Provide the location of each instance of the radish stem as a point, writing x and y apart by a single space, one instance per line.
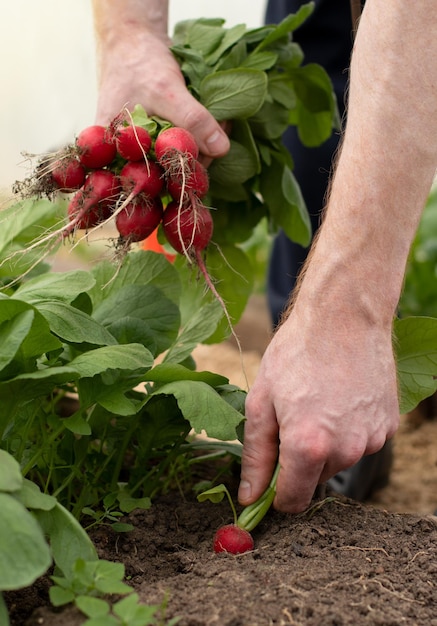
251 515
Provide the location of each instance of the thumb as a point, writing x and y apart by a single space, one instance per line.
260 454
212 140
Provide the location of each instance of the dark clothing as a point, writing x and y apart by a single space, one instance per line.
325 38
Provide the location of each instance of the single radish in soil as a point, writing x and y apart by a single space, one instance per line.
188 228
139 218
68 174
233 539
95 147
193 181
98 196
141 177
132 142
236 538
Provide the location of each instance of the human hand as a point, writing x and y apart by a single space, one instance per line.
140 69
325 395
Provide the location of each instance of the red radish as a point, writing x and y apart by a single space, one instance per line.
95 147
140 177
132 142
139 218
231 538
195 181
173 142
89 218
68 174
97 197
188 229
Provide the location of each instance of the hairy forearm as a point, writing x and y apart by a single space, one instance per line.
386 165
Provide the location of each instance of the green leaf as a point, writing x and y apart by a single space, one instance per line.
270 122
195 330
235 93
232 273
285 202
92 607
416 352
260 60
289 24
59 596
133 613
25 555
204 37
169 372
31 497
107 620
122 527
65 286
204 409
12 334
133 330
237 166
68 540
138 268
73 325
16 393
39 339
128 503
4 613
128 357
316 106
108 577
23 221
147 303
231 36
10 473
215 494
77 425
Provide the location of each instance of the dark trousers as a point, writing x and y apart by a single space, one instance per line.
325 38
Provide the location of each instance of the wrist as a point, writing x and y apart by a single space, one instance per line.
131 19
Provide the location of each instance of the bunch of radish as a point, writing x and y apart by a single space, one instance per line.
122 173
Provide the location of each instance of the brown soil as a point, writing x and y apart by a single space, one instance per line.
340 563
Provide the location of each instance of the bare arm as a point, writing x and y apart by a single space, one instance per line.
137 67
326 392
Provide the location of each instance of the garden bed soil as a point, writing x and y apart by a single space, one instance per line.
340 563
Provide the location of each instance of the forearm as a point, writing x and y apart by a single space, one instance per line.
386 165
113 18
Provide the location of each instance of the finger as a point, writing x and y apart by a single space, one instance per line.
212 140
302 463
260 452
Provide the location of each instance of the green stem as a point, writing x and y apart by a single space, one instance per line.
251 515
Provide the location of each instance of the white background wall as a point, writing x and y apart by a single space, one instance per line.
48 73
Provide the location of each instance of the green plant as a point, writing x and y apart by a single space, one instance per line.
88 586
419 296
34 531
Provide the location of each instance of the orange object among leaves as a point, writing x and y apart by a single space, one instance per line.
152 243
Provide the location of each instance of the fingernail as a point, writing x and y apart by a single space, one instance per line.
244 491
